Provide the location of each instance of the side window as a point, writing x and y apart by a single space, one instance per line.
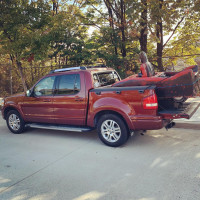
69 84
96 81
45 87
116 77
105 78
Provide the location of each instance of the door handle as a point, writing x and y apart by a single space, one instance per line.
46 100
78 99
118 92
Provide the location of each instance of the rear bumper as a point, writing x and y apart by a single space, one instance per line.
155 123
164 117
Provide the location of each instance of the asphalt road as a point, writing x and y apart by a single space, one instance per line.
56 165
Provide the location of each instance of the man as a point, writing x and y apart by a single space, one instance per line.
146 68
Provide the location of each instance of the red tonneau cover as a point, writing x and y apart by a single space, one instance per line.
168 84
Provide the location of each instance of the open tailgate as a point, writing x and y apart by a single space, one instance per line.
185 111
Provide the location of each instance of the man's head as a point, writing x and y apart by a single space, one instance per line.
143 57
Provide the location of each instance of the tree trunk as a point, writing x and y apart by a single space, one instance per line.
66 60
56 59
159 56
55 7
159 34
123 22
32 75
143 25
112 35
119 11
19 66
59 63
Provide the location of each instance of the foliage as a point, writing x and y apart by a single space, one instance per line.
21 26
37 36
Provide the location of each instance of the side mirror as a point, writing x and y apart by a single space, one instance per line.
28 93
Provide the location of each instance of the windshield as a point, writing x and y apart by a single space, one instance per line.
105 78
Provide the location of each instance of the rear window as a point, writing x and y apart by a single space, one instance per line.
105 78
69 84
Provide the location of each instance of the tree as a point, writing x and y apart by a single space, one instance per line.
185 44
19 21
165 19
143 26
67 36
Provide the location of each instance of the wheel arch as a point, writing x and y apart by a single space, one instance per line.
104 112
9 108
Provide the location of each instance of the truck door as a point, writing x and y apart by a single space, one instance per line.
38 107
70 100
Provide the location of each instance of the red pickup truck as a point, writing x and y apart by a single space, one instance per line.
82 99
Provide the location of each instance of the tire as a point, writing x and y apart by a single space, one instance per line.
15 122
112 130
179 99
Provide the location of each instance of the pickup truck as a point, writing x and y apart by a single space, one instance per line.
82 99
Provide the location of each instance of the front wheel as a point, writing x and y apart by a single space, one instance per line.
112 130
15 122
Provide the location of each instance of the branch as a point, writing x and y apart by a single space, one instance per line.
115 11
174 31
6 32
156 66
154 59
116 6
90 24
153 34
99 12
74 2
197 54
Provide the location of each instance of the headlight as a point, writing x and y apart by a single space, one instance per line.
1 103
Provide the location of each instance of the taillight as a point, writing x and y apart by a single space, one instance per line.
150 102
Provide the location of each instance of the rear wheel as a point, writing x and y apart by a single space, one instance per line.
112 130
15 122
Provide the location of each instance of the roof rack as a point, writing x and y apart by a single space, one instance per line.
66 69
74 68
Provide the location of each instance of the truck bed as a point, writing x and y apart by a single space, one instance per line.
168 84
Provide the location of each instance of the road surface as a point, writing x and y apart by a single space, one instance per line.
56 165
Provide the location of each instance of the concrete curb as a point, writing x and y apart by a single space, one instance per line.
193 122
193 126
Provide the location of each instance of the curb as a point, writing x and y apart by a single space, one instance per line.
188 125
193 122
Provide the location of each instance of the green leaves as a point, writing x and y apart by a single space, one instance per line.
33 34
